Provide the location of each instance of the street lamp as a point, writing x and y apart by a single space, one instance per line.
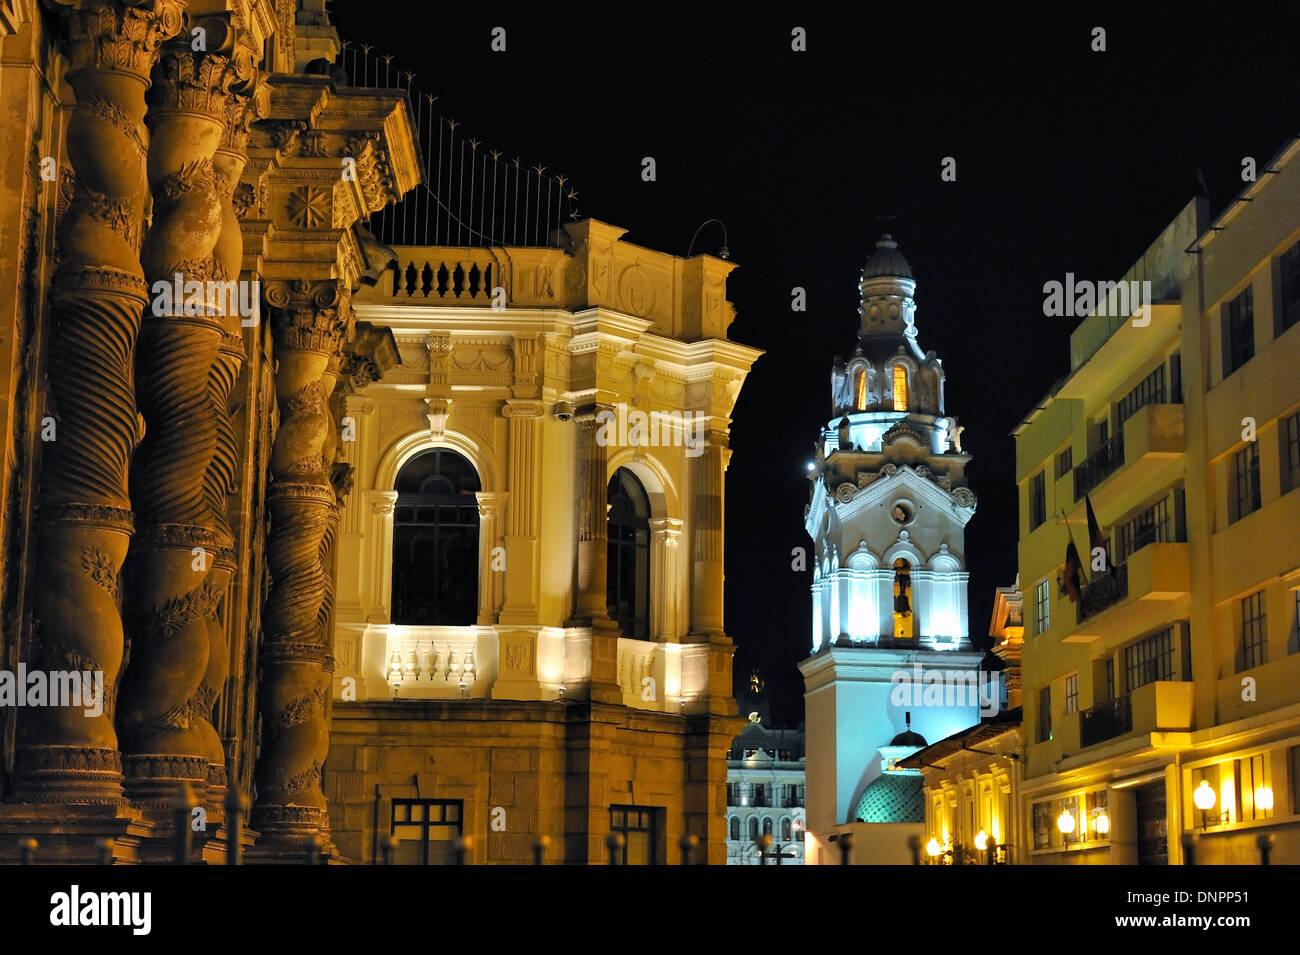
1065 822
1204 798
933 849
1101 822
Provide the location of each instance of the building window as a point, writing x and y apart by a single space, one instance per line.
1254 632
787 830
636 824
735 829
767 825
1246 496
1288 312
753 828
900 388
628 570
426 830
435 541
760 794
1149 660
1290 434
1149 527
1044 714
862 390
1042 607
1072 693
1043 825
1110 678
1238 332
1064 462
1150 391
1037 500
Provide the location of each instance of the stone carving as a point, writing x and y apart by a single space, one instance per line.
844 493
97 298
309 207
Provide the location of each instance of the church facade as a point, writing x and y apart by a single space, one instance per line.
892 662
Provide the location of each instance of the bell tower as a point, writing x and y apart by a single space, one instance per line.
887 517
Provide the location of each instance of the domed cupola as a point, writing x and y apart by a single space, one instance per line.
888 309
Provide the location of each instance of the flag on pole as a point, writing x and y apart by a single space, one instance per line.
1070 577
1095 537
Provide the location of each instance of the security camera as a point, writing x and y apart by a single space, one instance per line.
563 410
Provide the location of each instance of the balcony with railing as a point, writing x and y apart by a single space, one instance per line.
1107 459
1102 592
1134 595
1105 721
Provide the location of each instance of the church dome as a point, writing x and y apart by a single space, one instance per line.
887 261
893 797
908 738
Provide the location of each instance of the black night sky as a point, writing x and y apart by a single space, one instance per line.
1068 160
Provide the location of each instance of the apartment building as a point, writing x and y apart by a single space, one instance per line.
1162 696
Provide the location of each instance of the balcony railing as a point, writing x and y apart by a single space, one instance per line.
1108 459
1105 721
1104 590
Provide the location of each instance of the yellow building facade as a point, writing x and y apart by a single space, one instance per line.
566 417
1177 668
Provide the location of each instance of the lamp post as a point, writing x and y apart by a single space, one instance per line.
1065 823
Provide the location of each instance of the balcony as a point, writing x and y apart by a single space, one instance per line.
1105 721
1108 459
1135 595
1163 706
1152 437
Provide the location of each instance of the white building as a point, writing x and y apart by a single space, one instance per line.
765 795
888 514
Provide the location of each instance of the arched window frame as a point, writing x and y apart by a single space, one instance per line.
628 558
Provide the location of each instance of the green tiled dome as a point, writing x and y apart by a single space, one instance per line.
894 797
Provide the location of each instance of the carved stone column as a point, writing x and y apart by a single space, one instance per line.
490 504
182 556
706 484
593 555
310 322
84 519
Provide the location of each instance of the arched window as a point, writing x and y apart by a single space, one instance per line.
900 388
862 390
753 828
735 829
903 617
627 580
435 541
767 825
786 831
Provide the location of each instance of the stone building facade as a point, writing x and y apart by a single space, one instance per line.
570 441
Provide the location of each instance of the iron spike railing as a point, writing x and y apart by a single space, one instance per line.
471 195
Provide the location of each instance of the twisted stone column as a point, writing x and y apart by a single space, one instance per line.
176 580
310 322
98 293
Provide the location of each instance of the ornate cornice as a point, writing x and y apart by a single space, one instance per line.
310 316
113 35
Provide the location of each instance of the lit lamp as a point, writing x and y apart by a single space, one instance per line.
933 849
1264 798
1204 799
1065 822
1101 823
981 840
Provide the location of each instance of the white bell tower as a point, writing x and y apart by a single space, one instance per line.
887 518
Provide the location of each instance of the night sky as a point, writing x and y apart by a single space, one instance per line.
1068 160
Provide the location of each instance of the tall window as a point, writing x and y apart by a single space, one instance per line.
435 541
734 834
1042 607
1149 660
636 824
900 388
1238 332
1044 714
1072 693
628 573
1254 631
862 390
753 828
1246 480
1064 463
1288 312
1037 500
787 830
1290 434
426 830
1151 390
